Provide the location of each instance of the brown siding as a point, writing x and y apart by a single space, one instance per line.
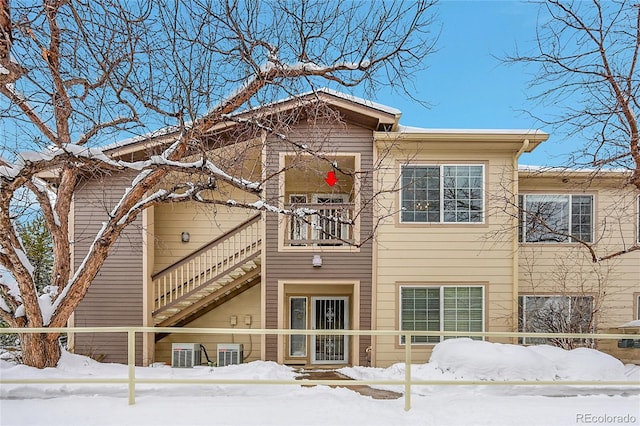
290 265
115 296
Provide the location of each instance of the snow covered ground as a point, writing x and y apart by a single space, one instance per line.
459 359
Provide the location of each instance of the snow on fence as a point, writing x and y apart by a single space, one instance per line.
132 380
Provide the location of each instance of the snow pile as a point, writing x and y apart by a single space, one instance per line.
479 360
75 404
81 365
582 363
466 359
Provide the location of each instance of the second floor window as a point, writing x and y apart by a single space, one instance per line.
555 218
445 194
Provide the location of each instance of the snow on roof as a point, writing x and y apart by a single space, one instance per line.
355 99
635 323
141 138
410 129
555 169
170 129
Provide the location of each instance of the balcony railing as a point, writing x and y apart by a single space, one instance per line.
320 224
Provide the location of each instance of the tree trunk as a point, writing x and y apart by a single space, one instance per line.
40 350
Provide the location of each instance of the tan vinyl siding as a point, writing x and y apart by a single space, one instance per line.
241 306
203 223
567 268
436 254
292 266
115 295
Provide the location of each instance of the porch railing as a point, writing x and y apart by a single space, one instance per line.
217 258
320 224
131 380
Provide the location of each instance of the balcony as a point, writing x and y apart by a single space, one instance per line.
329 222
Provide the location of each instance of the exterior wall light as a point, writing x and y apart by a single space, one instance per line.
185 237
316 261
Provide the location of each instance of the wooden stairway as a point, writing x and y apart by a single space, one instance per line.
226 266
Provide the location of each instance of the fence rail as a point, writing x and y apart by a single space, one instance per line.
408 382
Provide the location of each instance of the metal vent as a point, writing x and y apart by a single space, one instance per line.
185 355
229 353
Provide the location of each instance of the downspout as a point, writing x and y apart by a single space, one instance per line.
516 247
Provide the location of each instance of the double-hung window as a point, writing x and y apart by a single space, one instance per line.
442 193
555 218
444 308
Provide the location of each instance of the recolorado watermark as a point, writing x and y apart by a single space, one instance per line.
590 418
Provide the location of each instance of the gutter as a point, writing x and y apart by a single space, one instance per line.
516 247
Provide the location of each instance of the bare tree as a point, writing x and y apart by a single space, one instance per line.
586 77
564 293
554 217
76 75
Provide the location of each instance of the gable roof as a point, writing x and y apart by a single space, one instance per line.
370 114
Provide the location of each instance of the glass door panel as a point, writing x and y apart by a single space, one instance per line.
298 321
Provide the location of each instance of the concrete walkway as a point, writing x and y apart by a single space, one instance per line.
361 389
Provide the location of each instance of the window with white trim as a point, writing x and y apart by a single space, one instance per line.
554 314
298 228
326 227
442 194
555 218
298 321
444 308
638 221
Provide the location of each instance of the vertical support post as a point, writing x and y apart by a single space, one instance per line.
131 343
407 372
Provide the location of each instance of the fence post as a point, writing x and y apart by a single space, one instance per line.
131 343
407 372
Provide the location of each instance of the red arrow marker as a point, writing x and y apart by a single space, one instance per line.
331 178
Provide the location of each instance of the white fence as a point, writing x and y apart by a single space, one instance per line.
408 382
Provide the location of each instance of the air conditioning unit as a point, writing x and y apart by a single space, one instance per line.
229 353
185 355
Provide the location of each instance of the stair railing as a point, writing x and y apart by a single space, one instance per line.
200 267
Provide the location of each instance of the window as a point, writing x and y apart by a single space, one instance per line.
298 229
443 308
298 321
555 314
547 218
447 194
639 220
326 227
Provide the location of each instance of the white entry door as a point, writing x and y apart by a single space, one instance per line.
329 313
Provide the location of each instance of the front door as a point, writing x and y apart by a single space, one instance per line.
329 313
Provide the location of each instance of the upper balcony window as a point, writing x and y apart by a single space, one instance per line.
323 212
552 218
442 194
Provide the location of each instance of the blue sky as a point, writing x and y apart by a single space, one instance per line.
467 86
